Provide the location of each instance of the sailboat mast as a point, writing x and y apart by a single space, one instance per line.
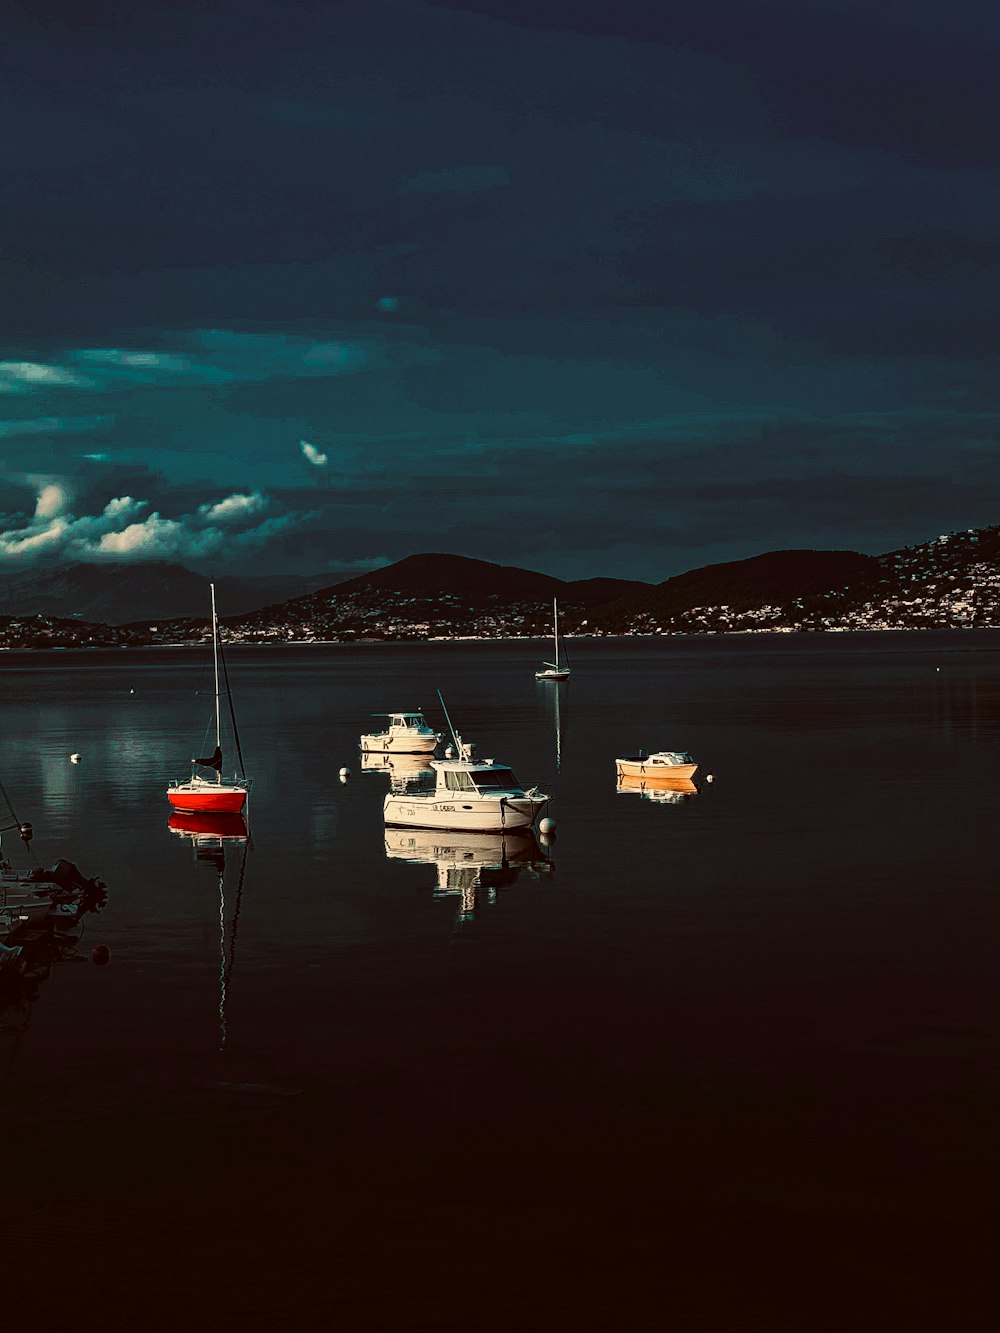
215 664
555 628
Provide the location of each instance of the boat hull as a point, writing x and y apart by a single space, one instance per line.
399 744
207 798
489 816
551 675
667 774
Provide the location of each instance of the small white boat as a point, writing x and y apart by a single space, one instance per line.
406 733
478 795
554 670
661 766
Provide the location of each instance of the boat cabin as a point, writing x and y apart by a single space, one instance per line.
483 778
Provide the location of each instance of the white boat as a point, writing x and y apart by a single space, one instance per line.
478 795
660 766
554 670
200 795
406 733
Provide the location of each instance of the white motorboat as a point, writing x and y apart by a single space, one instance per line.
660 766
473 794
554 670
406 733
478 795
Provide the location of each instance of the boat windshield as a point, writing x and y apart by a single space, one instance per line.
496 779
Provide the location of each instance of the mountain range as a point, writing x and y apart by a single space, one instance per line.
952 580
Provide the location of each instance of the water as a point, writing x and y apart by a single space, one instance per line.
730 1062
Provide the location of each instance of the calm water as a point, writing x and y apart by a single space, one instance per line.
730 1062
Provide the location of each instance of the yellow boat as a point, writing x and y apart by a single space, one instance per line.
661 766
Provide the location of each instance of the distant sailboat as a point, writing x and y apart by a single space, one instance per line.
554 670
203 795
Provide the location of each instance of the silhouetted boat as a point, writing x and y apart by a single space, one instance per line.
205 795
30 898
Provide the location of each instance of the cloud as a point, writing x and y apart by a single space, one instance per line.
313 455
233 508
123 531
52 500
10 430
31 376
209 357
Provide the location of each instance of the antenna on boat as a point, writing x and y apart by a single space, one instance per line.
459 747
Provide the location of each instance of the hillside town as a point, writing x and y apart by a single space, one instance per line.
952 582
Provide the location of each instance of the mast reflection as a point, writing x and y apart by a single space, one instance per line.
209 835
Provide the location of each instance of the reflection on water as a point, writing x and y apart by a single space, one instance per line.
405 771
34 951
662 790
470 866
210 835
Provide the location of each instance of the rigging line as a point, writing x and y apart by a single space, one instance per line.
232 711
13 815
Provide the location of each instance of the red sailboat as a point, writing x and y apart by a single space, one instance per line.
200 795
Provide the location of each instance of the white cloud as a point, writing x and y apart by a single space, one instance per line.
234 507
121 531
212 356
52 500
30 376
313 455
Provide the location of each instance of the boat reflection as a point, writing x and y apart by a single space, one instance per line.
470 866
30 955
662 790
209 836
405 771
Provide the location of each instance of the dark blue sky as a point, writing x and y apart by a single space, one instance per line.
595 288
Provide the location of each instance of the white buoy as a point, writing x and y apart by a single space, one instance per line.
74 759
547 827
131 691
345 773
709 777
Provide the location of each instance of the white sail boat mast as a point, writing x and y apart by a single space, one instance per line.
555 629
215 664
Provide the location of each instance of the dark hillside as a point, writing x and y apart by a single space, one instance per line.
772 579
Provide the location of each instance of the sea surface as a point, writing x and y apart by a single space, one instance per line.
728 1060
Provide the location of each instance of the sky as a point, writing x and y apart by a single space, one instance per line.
592 288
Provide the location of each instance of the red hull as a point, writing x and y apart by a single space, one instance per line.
228 801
